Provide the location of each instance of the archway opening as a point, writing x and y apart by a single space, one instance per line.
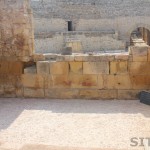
140 37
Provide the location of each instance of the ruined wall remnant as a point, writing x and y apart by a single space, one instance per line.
16 30
16 44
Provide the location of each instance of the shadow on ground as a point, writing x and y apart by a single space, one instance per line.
10 109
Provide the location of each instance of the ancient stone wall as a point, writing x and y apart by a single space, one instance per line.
16 44
103 76
16 31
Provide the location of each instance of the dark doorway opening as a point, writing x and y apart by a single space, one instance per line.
70 27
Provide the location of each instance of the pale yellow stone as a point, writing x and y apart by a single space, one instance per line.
139 68
141 82
59 68
123 82
76 67
119 67
83 81
32 81
95 68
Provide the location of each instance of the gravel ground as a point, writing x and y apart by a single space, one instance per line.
39 124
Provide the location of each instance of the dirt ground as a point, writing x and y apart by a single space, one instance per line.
40 124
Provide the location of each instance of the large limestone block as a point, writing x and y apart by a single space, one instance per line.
141 82
95 68
84 81
109 82
48 83
128 94
107 94
43 67
139 68
76 67
16 68
89 94
32 81
59 68
61 93
139 53
101 81
4 67
33 93
61 81
119 67
123 82
117 82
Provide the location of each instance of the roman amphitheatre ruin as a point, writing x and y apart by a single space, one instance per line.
74 49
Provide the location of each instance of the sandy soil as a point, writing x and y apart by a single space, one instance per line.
30 124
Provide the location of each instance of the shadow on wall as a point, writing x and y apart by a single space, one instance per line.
11 109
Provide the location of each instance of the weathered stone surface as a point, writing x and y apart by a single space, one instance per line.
43 67
61 81
139 53
123 82
122 57
141 81
38 57
101 81
117 82
59 68
61 93
16 68
107 94
4 67
76 67
119 67
139 68
128 94
32 81
109 81
89 94
33 93
84 81
95 68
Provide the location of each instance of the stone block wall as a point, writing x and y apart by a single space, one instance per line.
16 30
103 76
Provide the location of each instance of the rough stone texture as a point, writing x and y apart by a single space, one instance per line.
95 68
76 67
119 67
16 32
59 68
139 53
43 67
